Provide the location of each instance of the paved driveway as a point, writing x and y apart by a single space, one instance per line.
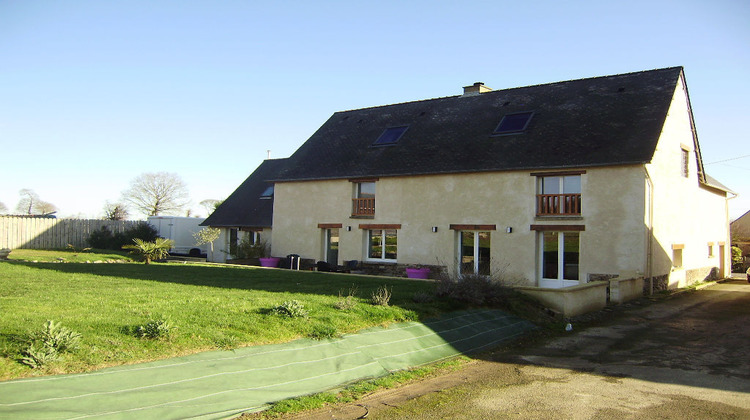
687 356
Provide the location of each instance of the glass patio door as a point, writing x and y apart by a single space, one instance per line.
474 253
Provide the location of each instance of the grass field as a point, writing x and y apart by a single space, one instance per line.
210 307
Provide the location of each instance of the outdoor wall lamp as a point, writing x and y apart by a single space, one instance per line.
509 230
348 228
434 229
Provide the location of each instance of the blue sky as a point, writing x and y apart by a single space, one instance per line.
94 93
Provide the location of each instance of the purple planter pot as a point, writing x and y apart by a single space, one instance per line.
269 262
417 273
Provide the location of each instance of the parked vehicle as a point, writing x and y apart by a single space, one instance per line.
180 230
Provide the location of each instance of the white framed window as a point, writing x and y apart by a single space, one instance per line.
382 245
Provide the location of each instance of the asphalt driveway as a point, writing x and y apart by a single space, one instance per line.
677 357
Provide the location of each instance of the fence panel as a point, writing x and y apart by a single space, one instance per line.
48 233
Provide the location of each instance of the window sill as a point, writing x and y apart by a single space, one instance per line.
390 262
561 217
354 216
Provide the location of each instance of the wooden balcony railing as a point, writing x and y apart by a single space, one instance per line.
363 206
558 204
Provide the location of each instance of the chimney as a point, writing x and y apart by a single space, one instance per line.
476 89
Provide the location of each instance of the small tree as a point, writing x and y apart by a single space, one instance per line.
207 236
3 209
151 250
115 211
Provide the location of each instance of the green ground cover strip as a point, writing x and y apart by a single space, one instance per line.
223 384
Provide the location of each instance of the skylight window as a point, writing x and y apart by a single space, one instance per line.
390 136
267 193
514 123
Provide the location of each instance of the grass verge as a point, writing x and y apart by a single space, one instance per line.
356 391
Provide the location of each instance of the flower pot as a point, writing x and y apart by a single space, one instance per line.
269 262
417 273
4 253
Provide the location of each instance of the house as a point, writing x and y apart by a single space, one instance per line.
740 231
247 212
553 186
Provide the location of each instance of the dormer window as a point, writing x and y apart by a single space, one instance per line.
514 123
390 136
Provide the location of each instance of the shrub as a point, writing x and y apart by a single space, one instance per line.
382 296
36 356
105 239
47 344
247 249
347 302
160 329
291 309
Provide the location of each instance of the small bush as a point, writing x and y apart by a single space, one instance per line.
54 335
36 356
474 289
347 302
382 296
105 239
160 329
323 331
291 309
46 345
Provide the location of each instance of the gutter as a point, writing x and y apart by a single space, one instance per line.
649 232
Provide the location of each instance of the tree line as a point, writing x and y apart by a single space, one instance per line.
149 194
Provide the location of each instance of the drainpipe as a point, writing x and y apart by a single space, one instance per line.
649 232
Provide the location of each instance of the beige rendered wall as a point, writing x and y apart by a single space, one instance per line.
685 214
613 205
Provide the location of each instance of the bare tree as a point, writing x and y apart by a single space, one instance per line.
31 204
155 193
26 203
115 211
44 207
210 205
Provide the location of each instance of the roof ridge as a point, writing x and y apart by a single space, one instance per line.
681 68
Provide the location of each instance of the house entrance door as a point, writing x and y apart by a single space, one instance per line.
332 246
474 253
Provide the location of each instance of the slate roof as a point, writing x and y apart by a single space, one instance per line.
244 207
610 120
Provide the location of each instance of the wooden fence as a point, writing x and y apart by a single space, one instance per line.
48 233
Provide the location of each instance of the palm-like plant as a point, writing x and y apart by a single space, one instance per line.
151 250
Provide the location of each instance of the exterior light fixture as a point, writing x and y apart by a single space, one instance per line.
348 228
434 229
509 230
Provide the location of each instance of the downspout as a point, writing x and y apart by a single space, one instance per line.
649 232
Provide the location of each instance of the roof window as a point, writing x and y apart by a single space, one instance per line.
390 136
514 123
267 193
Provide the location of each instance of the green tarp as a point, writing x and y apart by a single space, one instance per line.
224 384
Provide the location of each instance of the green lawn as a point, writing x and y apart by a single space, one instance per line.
212 307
